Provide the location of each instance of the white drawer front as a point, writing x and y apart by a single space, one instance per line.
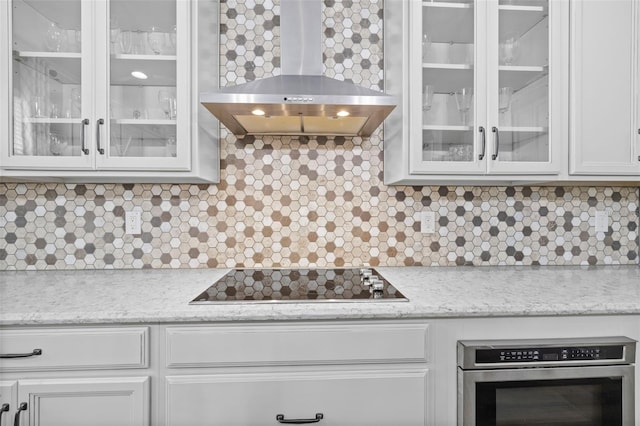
212 346
371 398
74 348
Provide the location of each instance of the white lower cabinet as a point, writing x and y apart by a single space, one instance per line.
8 404
75 376
105 401
333 373
368 397
373 373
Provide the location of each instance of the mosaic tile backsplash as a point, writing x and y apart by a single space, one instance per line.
312 202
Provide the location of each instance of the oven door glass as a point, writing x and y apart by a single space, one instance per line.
569 402
568 396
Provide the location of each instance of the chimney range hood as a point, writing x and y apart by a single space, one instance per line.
301 101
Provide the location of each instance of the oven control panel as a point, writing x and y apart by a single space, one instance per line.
552 354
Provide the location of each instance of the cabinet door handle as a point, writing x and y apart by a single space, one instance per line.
22 407
497 138
280 418
100 123
5 407
484 142
84 148
25 355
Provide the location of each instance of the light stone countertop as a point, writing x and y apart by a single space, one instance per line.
158 296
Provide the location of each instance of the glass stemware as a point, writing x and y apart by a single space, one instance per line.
55 39
156 40
171 147
114 35
139 42
426 45
464 97
76 103
39 109
167 102
126 40
172 39
56 144
74 40
504 99
509 50
427 97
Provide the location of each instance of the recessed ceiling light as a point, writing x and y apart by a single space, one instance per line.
343 113
139 75
257 112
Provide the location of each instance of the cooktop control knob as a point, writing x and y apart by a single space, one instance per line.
365 276
364 272
376 284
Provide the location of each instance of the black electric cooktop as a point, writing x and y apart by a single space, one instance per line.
300 285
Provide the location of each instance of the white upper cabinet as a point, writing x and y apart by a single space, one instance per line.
605 110
482 87
105 90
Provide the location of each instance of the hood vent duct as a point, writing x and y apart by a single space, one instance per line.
300 101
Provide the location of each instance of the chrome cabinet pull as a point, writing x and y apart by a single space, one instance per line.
26 355
100 123
22 407
484 142
5 407
84 148
280 418
495 153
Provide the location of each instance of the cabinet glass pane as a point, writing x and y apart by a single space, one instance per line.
523 80
46 74
142 92
448 93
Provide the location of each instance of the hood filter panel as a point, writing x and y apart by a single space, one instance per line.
301 125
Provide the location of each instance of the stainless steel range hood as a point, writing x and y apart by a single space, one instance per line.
301 101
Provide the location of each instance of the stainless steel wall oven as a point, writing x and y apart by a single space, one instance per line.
551 382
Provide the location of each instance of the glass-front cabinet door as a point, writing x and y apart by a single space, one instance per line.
49 84
147 94
481 76
447 106
519 86
99 85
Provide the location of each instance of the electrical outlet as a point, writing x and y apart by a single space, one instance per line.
427 222
132 222
602 221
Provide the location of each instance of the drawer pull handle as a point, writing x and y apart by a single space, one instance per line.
22 407
34 353
280 418
5 407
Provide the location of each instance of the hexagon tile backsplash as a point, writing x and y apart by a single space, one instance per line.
318 202
291 215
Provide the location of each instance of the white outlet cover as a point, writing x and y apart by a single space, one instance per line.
602 221
132 222
427 222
